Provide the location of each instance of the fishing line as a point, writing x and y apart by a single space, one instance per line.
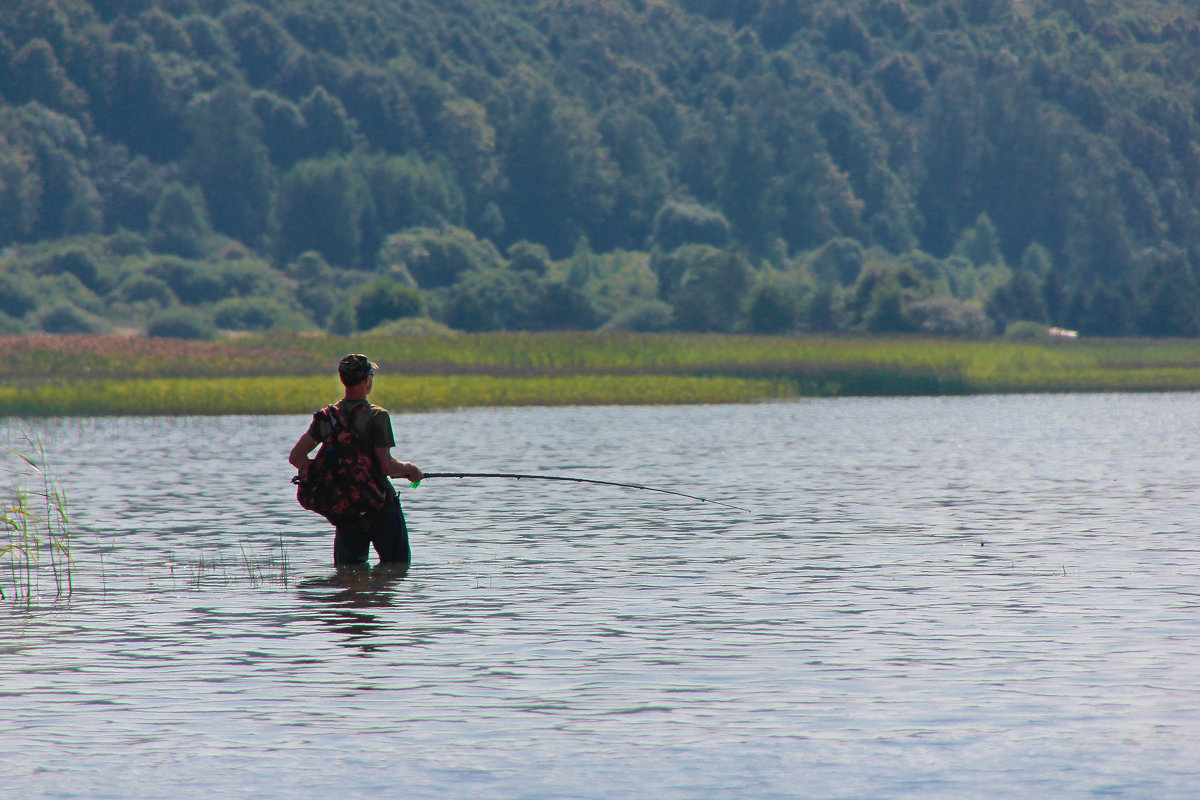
518 476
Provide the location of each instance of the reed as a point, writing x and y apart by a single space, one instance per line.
271 568
276 374
301 395
36 553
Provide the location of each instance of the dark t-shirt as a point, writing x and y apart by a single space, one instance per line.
374 425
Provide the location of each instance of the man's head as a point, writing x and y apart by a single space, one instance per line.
355 368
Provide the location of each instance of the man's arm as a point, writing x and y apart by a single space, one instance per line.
397 469
298 458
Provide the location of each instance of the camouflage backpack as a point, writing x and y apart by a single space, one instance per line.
344 483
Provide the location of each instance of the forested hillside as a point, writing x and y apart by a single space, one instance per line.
958 167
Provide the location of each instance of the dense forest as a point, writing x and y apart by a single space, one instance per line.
956 167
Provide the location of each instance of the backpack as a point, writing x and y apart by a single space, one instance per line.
343 484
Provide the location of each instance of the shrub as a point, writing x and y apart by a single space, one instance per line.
944 316
887 312
643 316
385 300
438 257
179 223
10 326
1024 329
67 318
561 307
496 299
17 294
181 323
251 314
75 261
840 261
342 320
142 288
529 257
773 308
192 281
711 289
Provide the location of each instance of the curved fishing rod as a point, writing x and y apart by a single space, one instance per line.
517 476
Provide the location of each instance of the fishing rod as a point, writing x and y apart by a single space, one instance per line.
518 476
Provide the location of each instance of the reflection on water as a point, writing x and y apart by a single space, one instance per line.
933 598
343 596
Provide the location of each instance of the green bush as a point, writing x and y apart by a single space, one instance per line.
495 299
67 318
711 289
181 323
10 326
18 293
193 282
252 314
839 262
560 307
179 223
643 316
677 224
74 261
385 300
437 257
945 316
139 287
1026 330
773 308
342 320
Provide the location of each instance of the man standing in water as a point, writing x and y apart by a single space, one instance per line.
386 530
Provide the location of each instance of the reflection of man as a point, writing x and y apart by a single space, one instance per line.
349 596
386 530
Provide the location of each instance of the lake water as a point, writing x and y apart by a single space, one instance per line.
992 597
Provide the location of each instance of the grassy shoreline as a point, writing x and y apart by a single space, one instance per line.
44 376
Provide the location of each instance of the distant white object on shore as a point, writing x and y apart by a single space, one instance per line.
1063 333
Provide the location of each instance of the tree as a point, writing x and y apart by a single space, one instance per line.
320 206
711 289
679 223
139 106
879 298
179 223
980 244
1170 299
406 192
20 192
561 178
382 109
746 184
264 48
1018 299
327 128
36 75
229 162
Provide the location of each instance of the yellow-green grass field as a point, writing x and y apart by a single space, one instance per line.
286 374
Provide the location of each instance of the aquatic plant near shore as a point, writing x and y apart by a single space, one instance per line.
272 568
34 521
276 374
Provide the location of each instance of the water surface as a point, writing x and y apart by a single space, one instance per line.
933 598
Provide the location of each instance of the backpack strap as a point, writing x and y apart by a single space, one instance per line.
348 421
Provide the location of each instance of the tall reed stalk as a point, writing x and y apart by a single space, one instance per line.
33 518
